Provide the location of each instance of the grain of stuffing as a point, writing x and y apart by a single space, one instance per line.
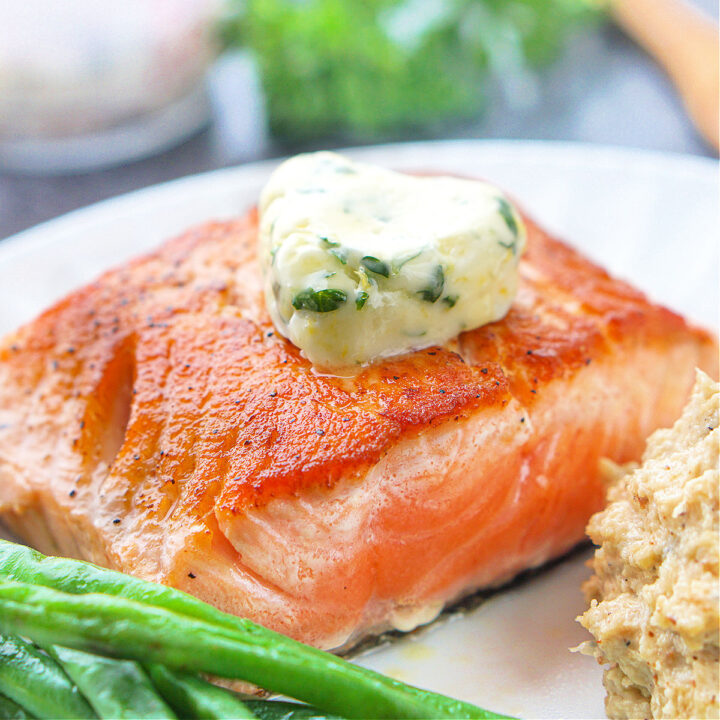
655 596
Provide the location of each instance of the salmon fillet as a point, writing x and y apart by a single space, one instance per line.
155 423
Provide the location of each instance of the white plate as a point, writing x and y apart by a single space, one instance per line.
647 217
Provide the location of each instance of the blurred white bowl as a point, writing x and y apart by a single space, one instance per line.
90 83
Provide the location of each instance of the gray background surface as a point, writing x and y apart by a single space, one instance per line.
603 90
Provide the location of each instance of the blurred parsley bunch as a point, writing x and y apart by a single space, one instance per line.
373 67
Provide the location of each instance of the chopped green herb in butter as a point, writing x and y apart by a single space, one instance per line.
319 300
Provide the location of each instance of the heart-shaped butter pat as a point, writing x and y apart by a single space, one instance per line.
361 263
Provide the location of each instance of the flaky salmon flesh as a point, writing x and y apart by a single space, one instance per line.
154 422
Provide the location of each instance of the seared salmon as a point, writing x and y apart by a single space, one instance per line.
154 422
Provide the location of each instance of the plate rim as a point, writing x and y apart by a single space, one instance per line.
549 152
543 153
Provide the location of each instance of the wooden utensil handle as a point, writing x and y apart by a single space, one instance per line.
685 43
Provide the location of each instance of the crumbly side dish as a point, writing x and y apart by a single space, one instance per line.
655 596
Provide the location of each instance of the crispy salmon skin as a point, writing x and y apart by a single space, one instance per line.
154 422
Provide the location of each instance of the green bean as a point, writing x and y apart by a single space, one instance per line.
125 628
331 674
21 563
278 710
114 688
194 697
36 682
10 710
190 693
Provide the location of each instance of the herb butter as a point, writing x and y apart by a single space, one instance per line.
361 263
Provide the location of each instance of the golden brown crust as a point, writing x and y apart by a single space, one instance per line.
178 374
541 339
